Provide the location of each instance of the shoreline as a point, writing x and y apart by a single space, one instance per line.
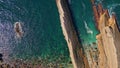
108 37
64 31
75 48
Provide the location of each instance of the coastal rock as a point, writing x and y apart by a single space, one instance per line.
75 48
18 29
107 39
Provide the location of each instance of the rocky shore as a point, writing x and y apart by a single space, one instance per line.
107 53
36 63
75 48
108 38
104 53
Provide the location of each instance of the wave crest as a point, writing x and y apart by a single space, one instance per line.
89 31
111 8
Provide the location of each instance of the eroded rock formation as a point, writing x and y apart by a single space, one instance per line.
75 48
108 38
108 53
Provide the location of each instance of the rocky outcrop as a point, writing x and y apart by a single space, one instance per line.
108 38
108 53
75 48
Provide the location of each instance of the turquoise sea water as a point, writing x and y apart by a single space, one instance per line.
83 13
83 17
43 36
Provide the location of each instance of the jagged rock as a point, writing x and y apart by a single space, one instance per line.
107 39
75 48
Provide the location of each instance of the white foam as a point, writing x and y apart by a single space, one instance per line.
111 8
89 31
98 1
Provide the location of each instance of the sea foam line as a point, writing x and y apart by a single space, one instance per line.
89 31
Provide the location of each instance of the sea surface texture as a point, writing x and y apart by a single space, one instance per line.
42 34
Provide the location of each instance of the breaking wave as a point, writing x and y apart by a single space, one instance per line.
112 7
99 1
89 31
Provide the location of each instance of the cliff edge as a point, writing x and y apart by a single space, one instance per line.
75 48
108 38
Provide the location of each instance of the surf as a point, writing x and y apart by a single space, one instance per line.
111 8
89 31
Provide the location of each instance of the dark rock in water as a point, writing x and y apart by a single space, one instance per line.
1 57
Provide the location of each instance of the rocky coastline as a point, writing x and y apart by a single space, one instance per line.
75 48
